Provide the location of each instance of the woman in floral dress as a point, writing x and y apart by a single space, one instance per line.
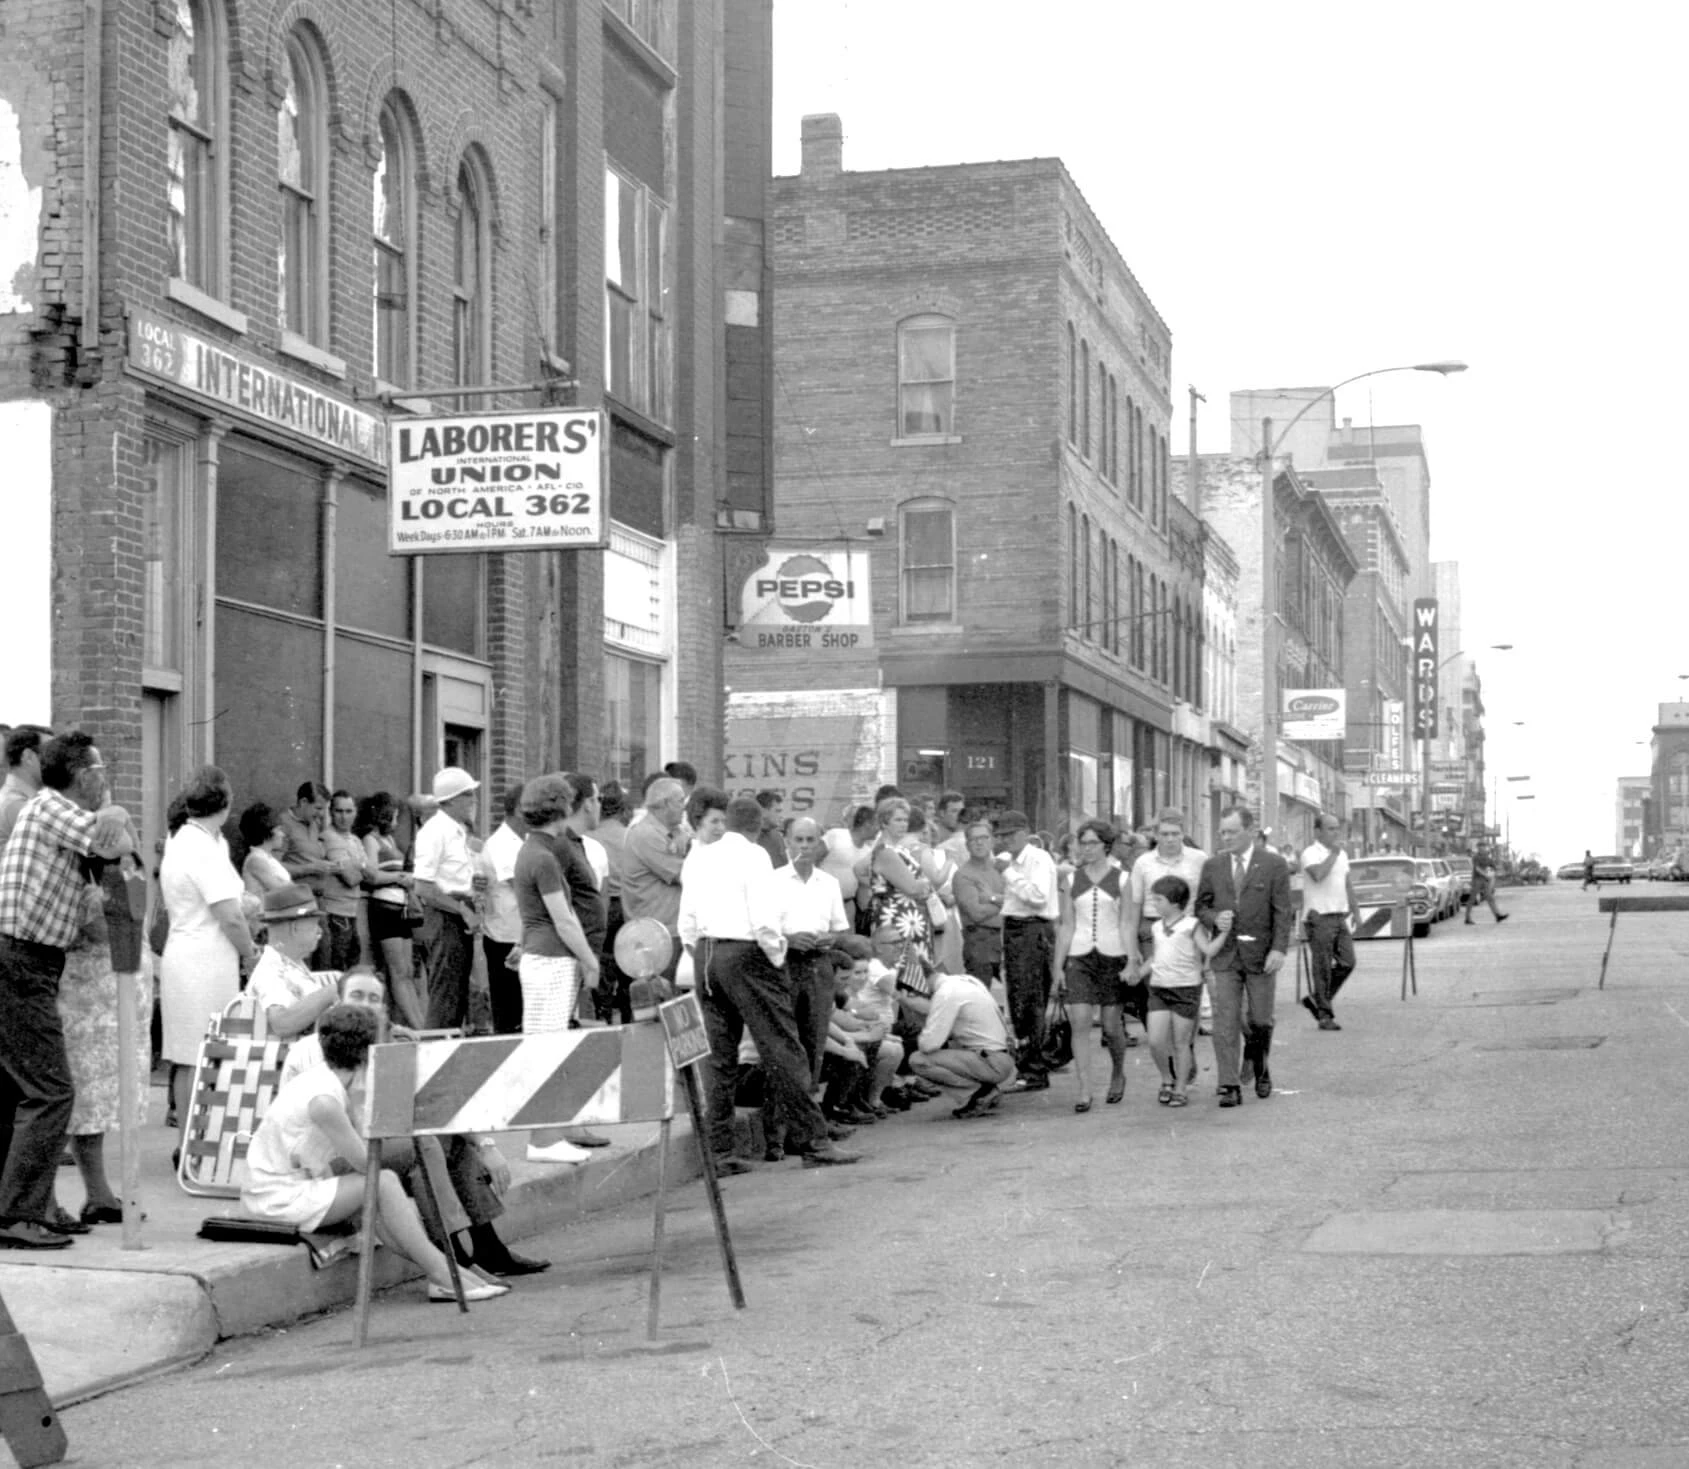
109 953
898 891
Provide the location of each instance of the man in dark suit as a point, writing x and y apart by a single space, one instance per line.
1245 895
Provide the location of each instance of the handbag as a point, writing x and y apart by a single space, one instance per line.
413 909
1058 1035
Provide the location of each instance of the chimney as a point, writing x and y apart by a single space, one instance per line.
1348 430
823 147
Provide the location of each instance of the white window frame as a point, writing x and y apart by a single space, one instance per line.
946 431
304 225
400 164
904 511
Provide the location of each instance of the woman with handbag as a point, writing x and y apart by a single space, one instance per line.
1091 953
393 911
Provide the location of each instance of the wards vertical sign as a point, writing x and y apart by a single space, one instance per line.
1425 665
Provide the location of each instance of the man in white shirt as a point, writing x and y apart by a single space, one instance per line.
445 885
731 927
501 927
1031 906
810 908
1328 906
963 1043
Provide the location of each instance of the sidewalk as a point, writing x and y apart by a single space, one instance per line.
97 1316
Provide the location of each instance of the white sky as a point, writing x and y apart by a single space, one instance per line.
1308 191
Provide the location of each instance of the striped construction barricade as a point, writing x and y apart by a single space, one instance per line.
1392 921
604 1075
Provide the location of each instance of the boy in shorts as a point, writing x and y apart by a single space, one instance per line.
1175 983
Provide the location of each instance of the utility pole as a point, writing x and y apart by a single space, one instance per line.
1268 816
1195 481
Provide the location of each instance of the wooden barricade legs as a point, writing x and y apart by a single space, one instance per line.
657 1219
1606 953
366 1238
1410 967
712 1187
27 1421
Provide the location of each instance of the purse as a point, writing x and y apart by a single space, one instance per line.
413 909
1058 1035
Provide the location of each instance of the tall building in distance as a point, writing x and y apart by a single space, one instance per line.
1668 773
272 232
974 398
1630 815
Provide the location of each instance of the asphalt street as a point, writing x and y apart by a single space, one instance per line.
1455 1235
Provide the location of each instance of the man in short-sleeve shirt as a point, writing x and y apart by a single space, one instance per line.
1169 857
1328 906
445 884
42 878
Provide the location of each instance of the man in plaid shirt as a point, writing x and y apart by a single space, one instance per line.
42 874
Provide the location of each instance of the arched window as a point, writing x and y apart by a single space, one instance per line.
302 168
196 161
1114 599
393 229
926 377
927 552
1072 385
1072 567
471 285
1131 452
1086 629
1085 399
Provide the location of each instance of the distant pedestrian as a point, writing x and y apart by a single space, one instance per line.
1328 908
1483 885
1589 880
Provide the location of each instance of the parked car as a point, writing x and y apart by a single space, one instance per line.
1462 869
1613 869
1381 880
1531 871
1570 872
1434 873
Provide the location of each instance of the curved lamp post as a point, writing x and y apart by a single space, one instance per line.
1270 445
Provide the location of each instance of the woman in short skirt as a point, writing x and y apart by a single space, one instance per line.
556 956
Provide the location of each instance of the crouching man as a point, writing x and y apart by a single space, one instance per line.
963 1044
469 1174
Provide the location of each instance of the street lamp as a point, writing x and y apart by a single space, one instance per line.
1269 612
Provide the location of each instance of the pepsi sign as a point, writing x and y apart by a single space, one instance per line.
807 601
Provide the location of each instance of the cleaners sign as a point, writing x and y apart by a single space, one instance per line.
533 481
807 602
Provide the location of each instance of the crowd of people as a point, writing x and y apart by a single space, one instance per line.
845 973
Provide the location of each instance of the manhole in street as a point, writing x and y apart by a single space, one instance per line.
1548 1043
1520 997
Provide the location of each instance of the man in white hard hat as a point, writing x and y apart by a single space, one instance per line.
445 885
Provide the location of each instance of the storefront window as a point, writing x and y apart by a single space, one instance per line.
372 590
269 539
633 723
453 599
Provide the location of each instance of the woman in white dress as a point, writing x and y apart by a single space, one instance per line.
209 939
306 1163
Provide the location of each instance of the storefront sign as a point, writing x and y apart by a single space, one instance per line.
528 481
1314 714
1395 723
209 370
807 602
819 749
1425 666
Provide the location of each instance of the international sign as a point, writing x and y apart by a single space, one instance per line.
208 370
529 481
808 602
1313 714
1425 668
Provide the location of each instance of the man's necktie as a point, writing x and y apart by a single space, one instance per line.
1238 868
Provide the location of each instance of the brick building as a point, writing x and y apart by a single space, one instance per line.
254 233
973 398
1668 769
1314 567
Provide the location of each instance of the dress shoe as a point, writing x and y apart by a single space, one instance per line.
837 1132
1502 917
28 1234
510 1263
771 1155
924 1089
474 1289
1029 1084
1264 1085
1330 1023
1231 1096
581 1138
827 1156
62 1221
728 1166
564 1152
1307 1003
984 1099
102 1214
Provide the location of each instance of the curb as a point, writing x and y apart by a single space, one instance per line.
97 1327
